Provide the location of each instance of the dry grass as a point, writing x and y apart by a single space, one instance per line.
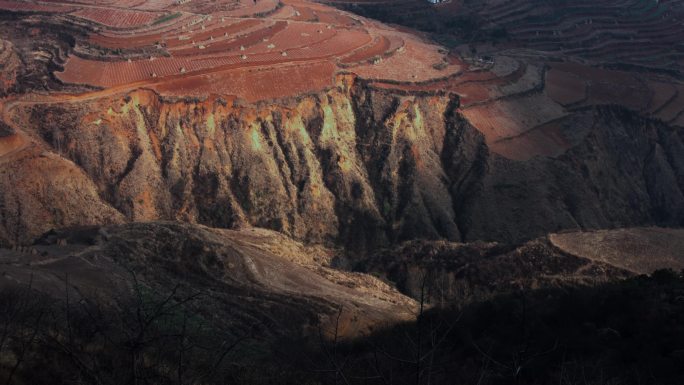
641 250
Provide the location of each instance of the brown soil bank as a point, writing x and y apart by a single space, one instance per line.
641 250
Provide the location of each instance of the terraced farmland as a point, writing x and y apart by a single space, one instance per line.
559 57
529 65
643 33
117 18
155 43
626 33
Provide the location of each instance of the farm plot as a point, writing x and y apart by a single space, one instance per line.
547 139
122 41
117 18
251 7
285 12
477 76
129 40
512 117
295 35
214 6
663 93
33 7
335 18
208 52
530 80
395 43
565 88
473 93
469 92
341 43
102 3
378 47
642 250
224 46
108 74
256 83
472 86
671 110
505 66
417 62
303 13
230 29
635 96
609 87
155 4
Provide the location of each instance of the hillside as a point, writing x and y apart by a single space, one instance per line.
247 191
381 147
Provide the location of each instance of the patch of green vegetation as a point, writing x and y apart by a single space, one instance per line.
166 18
440 66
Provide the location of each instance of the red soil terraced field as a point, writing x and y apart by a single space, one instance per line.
254 84
152 4
265 49
415 61
109 74
296 35
472 83
547 139
512 117
521 108
224 31
244 8
117 18
635 32
378 47
24 6
166 35
204 47
576 84
564 87
222 46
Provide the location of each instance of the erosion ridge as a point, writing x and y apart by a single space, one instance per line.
356 165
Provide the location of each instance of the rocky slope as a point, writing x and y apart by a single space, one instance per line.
253 281
448 273
36 46
445 274
9 66
355 165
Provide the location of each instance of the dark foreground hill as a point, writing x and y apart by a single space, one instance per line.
214 322
169 303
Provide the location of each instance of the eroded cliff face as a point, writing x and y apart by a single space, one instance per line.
349 165
9 66
354 165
